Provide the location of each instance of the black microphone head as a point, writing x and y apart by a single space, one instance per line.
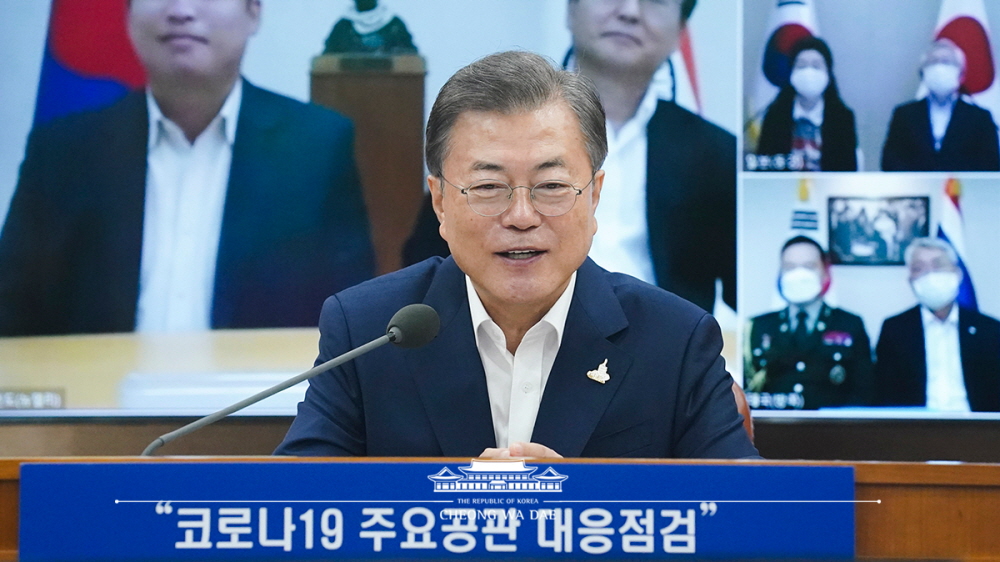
415 325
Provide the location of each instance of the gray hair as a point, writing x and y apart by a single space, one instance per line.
948 44
513 82
931 244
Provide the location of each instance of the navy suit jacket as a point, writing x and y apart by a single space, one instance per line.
669 394
901 360
294 226
690 208
970 142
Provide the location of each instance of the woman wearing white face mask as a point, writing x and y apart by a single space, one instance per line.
808 126
941 131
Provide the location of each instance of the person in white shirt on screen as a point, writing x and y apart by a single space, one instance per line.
938 354
201 202
669 216
941 132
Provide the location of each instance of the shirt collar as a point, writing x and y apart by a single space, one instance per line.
812 311
815 115
949 102
929 317
228 114
555 317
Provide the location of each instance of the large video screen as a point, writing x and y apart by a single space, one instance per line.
821 175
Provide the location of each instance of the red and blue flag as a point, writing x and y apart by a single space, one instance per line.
89 62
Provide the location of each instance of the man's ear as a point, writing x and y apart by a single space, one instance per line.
434 186
595 195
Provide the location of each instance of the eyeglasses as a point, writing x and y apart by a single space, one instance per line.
550 198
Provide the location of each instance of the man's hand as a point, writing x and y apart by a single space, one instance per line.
519 450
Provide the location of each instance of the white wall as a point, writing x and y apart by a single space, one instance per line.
23 25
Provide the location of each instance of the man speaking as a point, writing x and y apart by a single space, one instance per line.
541 352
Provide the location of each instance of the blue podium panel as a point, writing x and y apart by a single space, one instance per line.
480 509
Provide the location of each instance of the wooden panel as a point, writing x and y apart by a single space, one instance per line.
387 108
111 436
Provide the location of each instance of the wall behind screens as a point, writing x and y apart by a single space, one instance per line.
876 47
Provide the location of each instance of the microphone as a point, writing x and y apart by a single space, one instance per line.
414 325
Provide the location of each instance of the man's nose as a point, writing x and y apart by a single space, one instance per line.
181 10
521 213
629 9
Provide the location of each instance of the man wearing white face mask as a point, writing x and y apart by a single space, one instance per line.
808 355
938 354
941 132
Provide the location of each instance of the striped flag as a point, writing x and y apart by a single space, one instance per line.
791 21
805 217
964 23
89 62
951 230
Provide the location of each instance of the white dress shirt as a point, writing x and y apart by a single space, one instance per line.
515 382
940 117
185 195
945 380
622 240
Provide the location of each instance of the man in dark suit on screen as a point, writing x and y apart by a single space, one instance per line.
202 202
541 352
941 132
938 354
669 215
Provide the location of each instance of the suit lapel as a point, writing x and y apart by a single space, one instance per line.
449 373
124 168
923 129
573 404
917 353
967 330
248 195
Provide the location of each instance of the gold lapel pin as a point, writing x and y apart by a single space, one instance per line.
600 374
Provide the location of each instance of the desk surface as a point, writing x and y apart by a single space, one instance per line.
88 369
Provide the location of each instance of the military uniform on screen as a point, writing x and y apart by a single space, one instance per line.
830 365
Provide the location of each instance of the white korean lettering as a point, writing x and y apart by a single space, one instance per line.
562 529
234 521
500 522
285 541
595 529
637 532
418 536
378 517
204 523
459 538
674 542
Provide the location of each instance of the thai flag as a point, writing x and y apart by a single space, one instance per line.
950 230
89 62
964 23
791 21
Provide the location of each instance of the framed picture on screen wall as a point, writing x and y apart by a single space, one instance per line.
875 230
